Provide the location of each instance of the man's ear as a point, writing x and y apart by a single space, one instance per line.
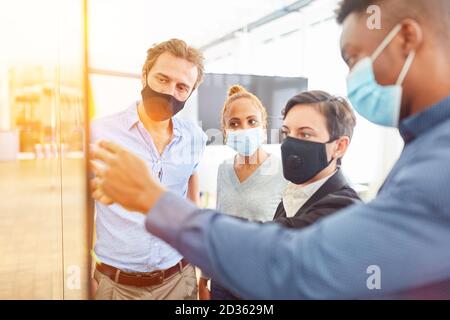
412 35
144 79
224 135
341 147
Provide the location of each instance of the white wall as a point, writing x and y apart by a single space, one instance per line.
113 94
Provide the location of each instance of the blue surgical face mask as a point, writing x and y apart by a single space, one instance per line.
378 104
245 142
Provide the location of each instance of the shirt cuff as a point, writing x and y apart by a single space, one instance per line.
167 217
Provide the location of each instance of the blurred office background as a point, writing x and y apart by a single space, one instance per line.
273 38
49 86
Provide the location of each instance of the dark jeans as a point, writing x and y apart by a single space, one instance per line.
218 292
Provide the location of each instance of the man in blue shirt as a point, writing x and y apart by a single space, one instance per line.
171 148
396 246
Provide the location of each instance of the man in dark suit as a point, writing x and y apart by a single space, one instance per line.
317 130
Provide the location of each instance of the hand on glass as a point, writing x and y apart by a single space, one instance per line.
123 179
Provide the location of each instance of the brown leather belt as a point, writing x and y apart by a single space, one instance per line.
138 279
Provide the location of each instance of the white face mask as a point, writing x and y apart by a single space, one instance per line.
246 142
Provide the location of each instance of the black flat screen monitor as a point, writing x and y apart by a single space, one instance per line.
274 92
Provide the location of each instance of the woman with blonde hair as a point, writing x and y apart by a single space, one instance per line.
250 185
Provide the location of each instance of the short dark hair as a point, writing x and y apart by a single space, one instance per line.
341 119
347 7
434 12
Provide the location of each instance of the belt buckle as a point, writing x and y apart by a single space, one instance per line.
155 275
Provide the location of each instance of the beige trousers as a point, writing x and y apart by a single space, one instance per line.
180 286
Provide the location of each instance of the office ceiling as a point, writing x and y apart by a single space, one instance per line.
122 30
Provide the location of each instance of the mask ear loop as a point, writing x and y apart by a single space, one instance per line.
333 100
406 67
332 157
146 80
386 42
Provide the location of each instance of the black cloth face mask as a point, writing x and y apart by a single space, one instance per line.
303 160
160 106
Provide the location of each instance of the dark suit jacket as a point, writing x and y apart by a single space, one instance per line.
334 195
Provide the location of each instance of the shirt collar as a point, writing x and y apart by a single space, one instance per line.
308 190
418 124
132 119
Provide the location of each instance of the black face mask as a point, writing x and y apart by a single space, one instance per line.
160 106
303 160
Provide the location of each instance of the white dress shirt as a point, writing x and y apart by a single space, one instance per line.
295 196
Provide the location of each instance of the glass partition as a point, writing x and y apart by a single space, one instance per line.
43 205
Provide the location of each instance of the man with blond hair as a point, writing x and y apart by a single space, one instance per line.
134 264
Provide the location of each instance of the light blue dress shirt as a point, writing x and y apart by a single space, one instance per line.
402 237
122 240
